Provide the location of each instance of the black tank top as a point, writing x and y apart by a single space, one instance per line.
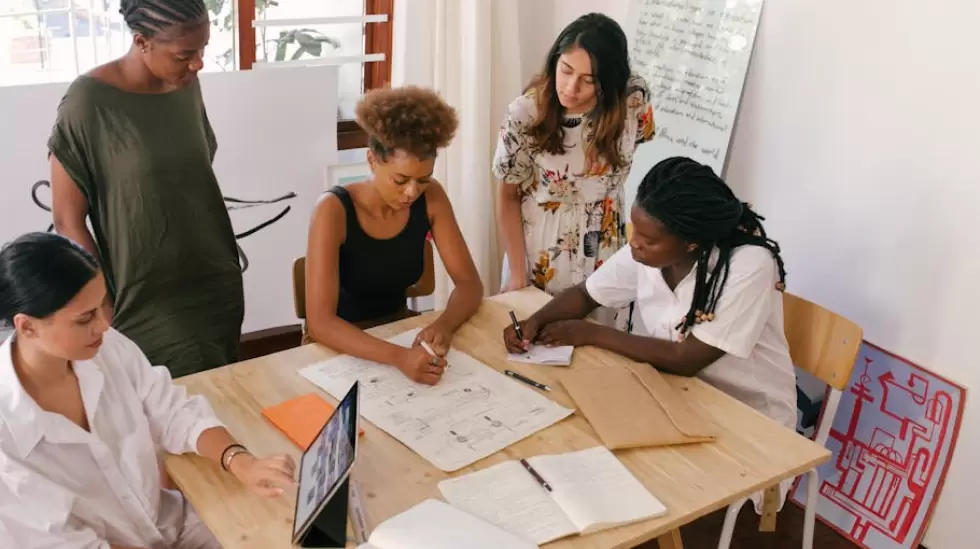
374 274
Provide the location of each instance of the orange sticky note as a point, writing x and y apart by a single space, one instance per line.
301 418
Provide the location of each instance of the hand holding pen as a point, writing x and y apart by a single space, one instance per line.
518 335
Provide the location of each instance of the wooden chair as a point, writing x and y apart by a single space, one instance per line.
426 285
826 345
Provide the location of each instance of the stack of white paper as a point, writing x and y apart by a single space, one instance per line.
434 525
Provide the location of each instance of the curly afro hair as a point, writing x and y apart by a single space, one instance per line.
412 119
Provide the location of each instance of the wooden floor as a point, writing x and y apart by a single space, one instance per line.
704 533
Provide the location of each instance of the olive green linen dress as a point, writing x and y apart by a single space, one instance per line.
159 220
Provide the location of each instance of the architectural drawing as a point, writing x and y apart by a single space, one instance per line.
473 412
892 440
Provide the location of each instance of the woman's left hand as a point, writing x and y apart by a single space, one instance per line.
436 336
577 333
268 477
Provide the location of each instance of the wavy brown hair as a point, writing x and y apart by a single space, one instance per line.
605 42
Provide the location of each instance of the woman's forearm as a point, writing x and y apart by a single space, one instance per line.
345 338
685 358
572 304
464 301
511 226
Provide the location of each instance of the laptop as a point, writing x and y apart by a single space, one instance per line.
326 464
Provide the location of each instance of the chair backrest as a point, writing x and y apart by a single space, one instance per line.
426 284
821 342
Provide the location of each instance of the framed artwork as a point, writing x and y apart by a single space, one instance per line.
892 440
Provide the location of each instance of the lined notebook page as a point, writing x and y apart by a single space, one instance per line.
433 524
508 496
595 490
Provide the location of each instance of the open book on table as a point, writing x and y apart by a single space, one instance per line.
590 491
433 524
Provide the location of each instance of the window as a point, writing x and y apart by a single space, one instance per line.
56 40
354 34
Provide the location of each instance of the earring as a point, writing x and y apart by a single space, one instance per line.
692 247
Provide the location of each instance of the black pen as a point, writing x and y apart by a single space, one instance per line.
544 484
527 380
517 326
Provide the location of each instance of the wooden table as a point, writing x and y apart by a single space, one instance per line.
751 453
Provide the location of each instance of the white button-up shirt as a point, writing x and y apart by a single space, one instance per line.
63 487
747 326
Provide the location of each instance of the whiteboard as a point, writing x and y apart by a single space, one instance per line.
277 136
694 54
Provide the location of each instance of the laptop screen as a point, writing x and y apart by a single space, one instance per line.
327 462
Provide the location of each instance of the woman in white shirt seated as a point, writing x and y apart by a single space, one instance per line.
82 414
705 283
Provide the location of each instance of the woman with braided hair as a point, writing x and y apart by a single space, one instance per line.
131 152
707 283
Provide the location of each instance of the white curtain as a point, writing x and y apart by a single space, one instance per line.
468 51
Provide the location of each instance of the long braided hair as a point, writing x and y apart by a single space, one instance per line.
698 207
151 17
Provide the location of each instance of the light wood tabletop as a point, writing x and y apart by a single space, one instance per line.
751 452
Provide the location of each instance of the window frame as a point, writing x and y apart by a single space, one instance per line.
377 39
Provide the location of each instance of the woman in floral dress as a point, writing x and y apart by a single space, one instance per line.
563 155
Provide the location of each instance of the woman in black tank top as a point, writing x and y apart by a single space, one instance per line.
367 239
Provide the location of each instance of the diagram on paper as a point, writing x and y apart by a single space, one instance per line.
891 439
473 412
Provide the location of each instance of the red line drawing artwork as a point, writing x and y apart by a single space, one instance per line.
892 439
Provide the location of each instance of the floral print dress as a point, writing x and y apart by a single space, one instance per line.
573 220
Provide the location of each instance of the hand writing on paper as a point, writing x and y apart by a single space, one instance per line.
514 344
267 477
577 333
438 337
419 366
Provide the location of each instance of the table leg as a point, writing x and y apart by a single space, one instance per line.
671 540
770 507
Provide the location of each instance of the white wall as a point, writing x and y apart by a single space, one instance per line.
857 138
276 133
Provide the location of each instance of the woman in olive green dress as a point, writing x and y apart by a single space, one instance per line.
131 151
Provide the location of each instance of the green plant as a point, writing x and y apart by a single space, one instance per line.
310 41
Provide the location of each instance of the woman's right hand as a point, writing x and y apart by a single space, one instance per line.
529 329
419 366
515 281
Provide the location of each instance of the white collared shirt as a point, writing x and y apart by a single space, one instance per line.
63 487
747 326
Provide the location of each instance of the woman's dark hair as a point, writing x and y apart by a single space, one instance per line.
151 17
696 206
605 42
409 118
40 273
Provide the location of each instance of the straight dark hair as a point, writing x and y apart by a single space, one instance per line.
40 273
605 42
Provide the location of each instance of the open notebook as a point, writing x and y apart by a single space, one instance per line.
542 354
590 491
433 524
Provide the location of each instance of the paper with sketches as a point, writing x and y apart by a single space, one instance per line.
473 412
